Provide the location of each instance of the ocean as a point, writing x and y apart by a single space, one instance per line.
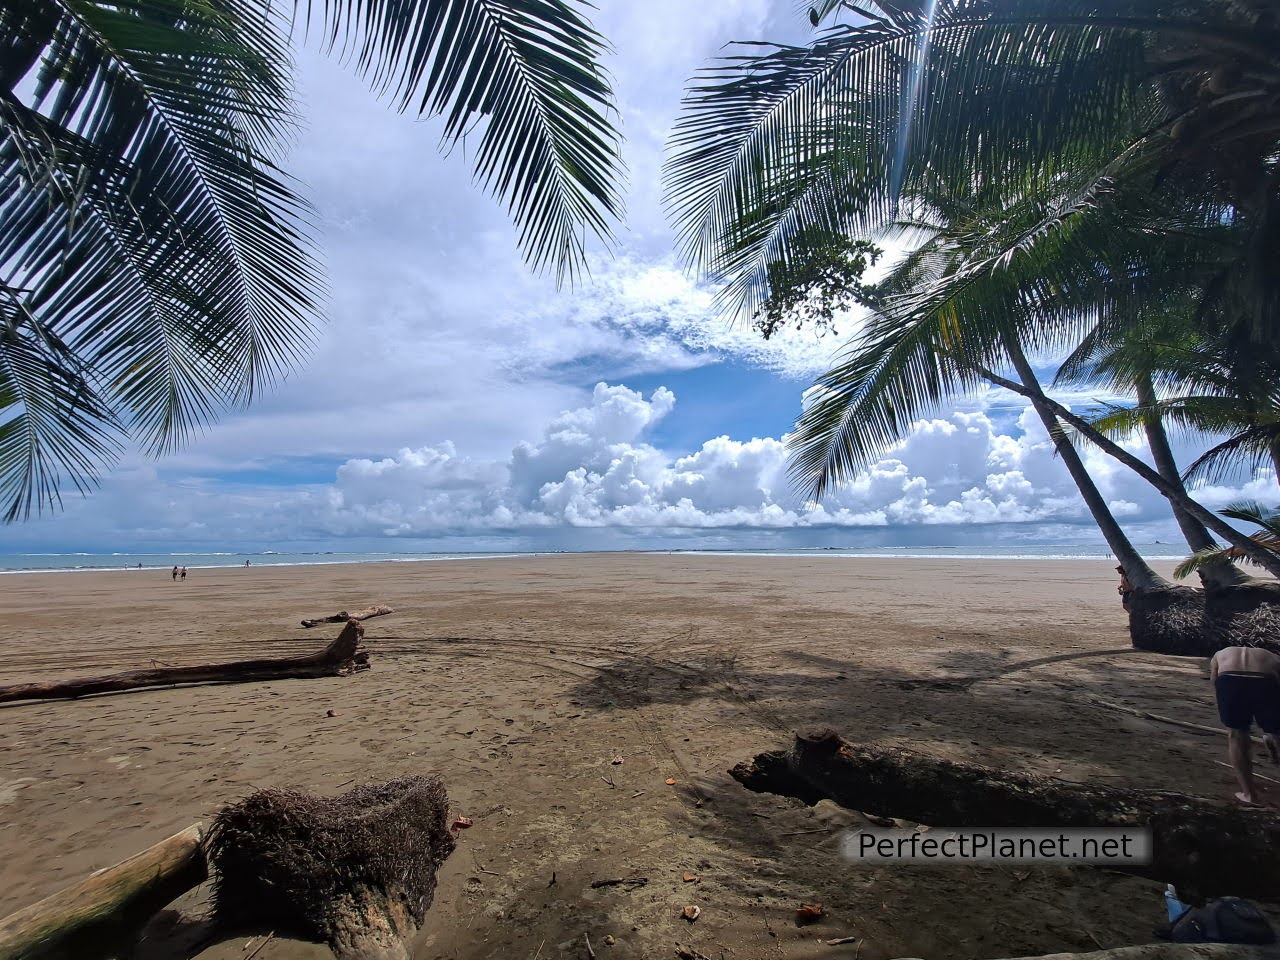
72 562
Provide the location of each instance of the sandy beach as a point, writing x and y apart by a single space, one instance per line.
518 680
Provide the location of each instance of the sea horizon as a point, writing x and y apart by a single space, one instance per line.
89 561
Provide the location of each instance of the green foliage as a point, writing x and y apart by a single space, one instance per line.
812 290
156 265
1212 388
1068 166
1249 511
153 261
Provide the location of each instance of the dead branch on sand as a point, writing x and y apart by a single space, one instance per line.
343 656
342 616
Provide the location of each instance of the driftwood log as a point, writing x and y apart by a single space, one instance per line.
104 911
1205 847
356 871
344 655
342 616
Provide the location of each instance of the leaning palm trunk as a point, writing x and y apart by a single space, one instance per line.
1198 538
1234 537
1247 614
1237 608
1136 569
1163 617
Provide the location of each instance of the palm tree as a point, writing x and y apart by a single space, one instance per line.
1131 359
912 108
843 130
919 351
155 262
1216 390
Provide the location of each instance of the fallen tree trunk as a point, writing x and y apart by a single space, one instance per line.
357 871
1202 846
104 911
341 657
342 616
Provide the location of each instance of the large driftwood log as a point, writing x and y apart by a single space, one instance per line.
1205 847
341 657
356 871
342 616
102 912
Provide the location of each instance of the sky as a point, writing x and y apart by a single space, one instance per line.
455 401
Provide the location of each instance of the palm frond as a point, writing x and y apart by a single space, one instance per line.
529 72
761 134
51 420
143 226
1250 511
1250 448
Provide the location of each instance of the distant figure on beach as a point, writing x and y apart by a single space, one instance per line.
1125 588
175 571
246 563
184 573
1246 682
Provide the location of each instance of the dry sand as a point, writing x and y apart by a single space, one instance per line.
518 680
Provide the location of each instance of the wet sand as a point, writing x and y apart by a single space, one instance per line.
518 680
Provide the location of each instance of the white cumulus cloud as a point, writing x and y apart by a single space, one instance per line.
594 467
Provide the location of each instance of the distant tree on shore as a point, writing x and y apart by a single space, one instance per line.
156 264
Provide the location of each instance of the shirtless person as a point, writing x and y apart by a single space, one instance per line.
1246 681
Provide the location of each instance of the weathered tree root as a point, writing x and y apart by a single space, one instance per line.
94 917
342 616
1203 846
356 871
343 656
1182 621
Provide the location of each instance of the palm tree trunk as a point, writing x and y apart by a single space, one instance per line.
1163 617
1193 531
1230 534
1135 568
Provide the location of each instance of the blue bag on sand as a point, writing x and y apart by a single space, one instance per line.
1222 920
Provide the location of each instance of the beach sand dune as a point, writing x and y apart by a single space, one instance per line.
519 680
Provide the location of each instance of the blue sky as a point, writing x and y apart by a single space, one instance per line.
455 400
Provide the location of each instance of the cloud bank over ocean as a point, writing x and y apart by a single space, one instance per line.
593 468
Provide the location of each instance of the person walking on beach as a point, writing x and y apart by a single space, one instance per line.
1246 683
175 571
184 573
